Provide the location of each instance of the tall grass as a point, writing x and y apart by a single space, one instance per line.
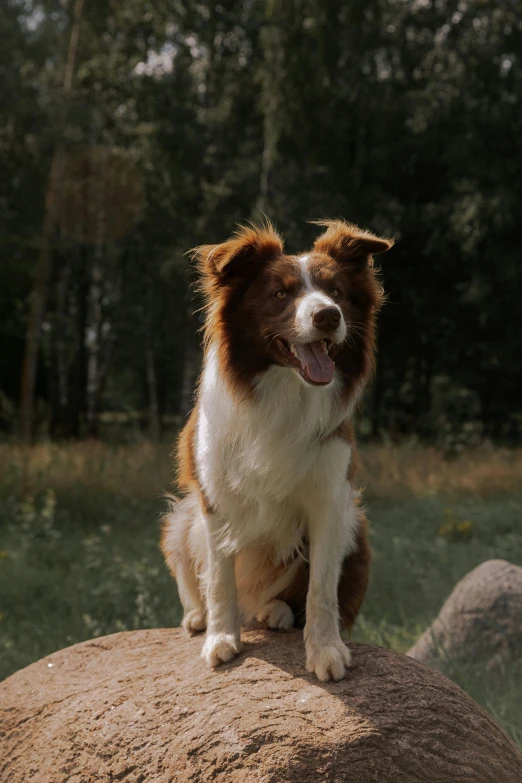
395 472
388 472
141 470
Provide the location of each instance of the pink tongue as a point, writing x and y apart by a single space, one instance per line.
316 363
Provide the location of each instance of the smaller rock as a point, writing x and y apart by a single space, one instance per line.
481 621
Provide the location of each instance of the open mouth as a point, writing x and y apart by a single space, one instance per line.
312 360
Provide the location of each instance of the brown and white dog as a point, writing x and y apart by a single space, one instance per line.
269 528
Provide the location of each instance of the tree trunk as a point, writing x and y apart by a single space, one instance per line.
93 345
190 370
37 304
272 46
376 399
43 265
58 369
152 386
78 371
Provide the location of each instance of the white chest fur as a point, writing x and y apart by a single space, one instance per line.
263 463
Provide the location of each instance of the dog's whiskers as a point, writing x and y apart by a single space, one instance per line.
273 337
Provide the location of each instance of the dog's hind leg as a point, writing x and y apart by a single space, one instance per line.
176 547
354 576
270 607
277 615
194 612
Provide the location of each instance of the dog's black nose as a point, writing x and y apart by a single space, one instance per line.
327 319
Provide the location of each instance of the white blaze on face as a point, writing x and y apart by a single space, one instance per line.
313 299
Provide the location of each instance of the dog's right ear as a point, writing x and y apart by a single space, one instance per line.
249 244
349 244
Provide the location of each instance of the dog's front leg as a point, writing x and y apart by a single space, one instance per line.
329 536
222 641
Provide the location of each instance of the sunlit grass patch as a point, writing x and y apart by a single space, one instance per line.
138 470
394 472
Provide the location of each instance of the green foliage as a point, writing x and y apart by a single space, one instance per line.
415 567
401 116
454 528
64 579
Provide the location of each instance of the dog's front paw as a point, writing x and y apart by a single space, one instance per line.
195 621
328 661
220 648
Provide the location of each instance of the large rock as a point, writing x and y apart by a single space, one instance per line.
481 621
141 707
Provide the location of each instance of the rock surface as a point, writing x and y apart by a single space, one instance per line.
480 621
141 707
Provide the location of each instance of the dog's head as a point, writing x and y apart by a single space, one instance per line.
313 313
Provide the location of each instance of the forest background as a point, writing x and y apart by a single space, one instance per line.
130 132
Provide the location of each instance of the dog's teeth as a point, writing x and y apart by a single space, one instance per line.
293 350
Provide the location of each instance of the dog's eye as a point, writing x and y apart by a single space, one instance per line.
280 294
335 293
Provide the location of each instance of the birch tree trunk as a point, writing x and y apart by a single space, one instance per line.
93 343
272 45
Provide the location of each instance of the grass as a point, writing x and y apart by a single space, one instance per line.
79 556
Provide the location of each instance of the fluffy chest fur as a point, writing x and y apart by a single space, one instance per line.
262 462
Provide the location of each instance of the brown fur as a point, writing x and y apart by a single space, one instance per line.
187 478
187 474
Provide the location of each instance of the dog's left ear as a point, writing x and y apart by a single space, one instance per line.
348 243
